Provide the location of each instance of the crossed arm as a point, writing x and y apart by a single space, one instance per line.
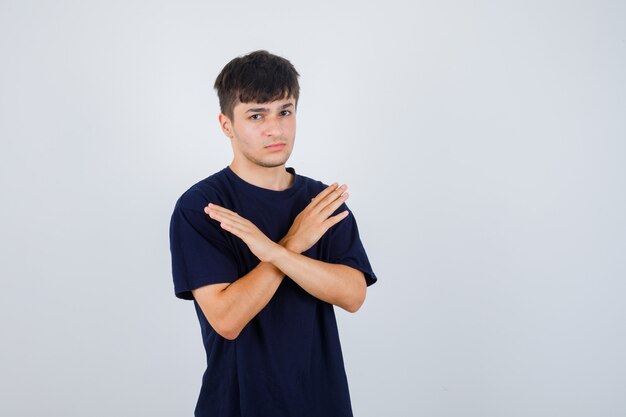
229 307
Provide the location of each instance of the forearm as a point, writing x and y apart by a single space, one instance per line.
232 308
336 284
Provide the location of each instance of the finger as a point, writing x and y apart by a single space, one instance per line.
331 221
214 208
331 197
230 227
225 216
214 213
330 208
235 227
232 222
243 231
220 209
322 195
221 212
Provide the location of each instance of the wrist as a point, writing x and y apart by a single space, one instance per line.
289 244
277 253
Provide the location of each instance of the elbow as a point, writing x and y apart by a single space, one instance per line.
217 310
227 330
357 301
352 308
229 335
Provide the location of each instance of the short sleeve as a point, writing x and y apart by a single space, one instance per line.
200 252
345 246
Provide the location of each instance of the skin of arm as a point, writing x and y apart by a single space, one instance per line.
336 284
229 307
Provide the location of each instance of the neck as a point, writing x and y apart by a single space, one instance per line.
274 178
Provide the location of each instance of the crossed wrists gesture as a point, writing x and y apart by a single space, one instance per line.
308 227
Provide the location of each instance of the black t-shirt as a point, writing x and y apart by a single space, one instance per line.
287 360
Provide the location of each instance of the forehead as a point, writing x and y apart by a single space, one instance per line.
266 106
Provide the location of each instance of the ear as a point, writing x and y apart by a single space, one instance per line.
226 124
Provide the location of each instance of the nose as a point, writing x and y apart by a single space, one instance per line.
273 127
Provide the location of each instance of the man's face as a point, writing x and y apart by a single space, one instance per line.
262 134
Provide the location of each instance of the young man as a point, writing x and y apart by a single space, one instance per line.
265 253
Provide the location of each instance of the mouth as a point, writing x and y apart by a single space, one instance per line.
276 146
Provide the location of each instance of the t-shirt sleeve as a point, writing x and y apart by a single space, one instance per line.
201 255
345 246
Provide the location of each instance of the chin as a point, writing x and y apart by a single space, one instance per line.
272 162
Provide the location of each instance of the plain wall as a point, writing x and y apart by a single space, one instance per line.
483 143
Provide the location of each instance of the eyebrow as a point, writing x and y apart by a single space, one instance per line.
265 109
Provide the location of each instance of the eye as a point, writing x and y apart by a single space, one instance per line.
255 117
285 112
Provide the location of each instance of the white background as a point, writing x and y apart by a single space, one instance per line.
483 143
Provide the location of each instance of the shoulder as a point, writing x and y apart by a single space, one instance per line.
312 185
211 189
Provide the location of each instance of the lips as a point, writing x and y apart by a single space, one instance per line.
275 146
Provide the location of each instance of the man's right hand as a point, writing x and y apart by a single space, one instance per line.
314 221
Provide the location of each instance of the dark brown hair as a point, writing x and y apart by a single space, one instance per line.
258 77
